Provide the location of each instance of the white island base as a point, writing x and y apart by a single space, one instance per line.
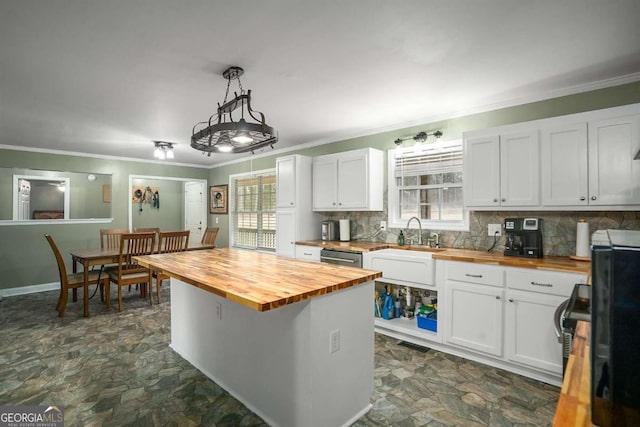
279 362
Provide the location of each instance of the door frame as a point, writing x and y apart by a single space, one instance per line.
165 178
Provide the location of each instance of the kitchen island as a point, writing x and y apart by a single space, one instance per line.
291 340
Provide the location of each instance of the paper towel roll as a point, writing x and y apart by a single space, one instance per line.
582 239
345 232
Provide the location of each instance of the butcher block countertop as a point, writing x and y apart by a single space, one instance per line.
574 409
555 263
258 281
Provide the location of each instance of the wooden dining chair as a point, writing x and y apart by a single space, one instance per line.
110 237
128 271
209 236
74 280
170 241
147 230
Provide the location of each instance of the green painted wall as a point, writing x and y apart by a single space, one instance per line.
25 256
452 129
171 212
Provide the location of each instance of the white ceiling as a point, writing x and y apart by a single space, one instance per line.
109 76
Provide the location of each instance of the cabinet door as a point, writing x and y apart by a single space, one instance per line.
482 171
286 233
474 317
286 182
613 174
325 183
530 337
564 165
520 169
353 183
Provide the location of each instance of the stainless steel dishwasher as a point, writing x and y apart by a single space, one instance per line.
346 258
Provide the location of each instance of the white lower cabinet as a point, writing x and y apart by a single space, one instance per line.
500 316
474 317
530 337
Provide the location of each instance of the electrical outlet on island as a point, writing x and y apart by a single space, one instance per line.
383 225
334 341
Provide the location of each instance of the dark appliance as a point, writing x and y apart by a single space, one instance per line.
347 258
524 237
567 315
615 328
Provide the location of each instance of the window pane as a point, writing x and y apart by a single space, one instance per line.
452 178
431 212
452 204
410 180
431 179
430 196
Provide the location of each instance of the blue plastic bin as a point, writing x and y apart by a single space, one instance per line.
427 323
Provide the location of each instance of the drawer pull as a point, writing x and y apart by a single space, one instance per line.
497 297
546 285
477 276
307 253
510 299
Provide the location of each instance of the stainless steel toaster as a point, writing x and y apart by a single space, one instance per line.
329 230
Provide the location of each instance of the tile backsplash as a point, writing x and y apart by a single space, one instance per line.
558 228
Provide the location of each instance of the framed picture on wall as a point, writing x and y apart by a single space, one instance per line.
218 199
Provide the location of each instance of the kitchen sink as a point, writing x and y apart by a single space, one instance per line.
410 266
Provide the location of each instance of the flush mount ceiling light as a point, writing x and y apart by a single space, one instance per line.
164 150
222 134
419 138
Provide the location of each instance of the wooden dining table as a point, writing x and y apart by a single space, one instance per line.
89 257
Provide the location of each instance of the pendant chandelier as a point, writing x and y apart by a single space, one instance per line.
222 134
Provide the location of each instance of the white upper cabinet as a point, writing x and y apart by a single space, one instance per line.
614 177
286 181
564 165
520 169
502 170
482 171
582 161
349 181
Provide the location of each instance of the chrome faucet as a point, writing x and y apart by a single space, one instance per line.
419 227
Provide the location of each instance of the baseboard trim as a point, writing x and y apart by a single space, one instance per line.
31 289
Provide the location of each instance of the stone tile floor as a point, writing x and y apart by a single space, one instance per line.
116 369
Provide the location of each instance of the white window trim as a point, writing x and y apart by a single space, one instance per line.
393 214
232 204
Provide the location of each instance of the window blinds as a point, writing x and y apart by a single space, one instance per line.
253 221
433 160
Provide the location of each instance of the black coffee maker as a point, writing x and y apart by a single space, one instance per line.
524 237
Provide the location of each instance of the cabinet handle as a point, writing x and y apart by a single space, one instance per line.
291 203
593 197
546 285
497 297
306 253
340 204
510 299
582 199
504 200
495 200
478 276
334 203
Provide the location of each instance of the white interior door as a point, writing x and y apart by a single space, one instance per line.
195 210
